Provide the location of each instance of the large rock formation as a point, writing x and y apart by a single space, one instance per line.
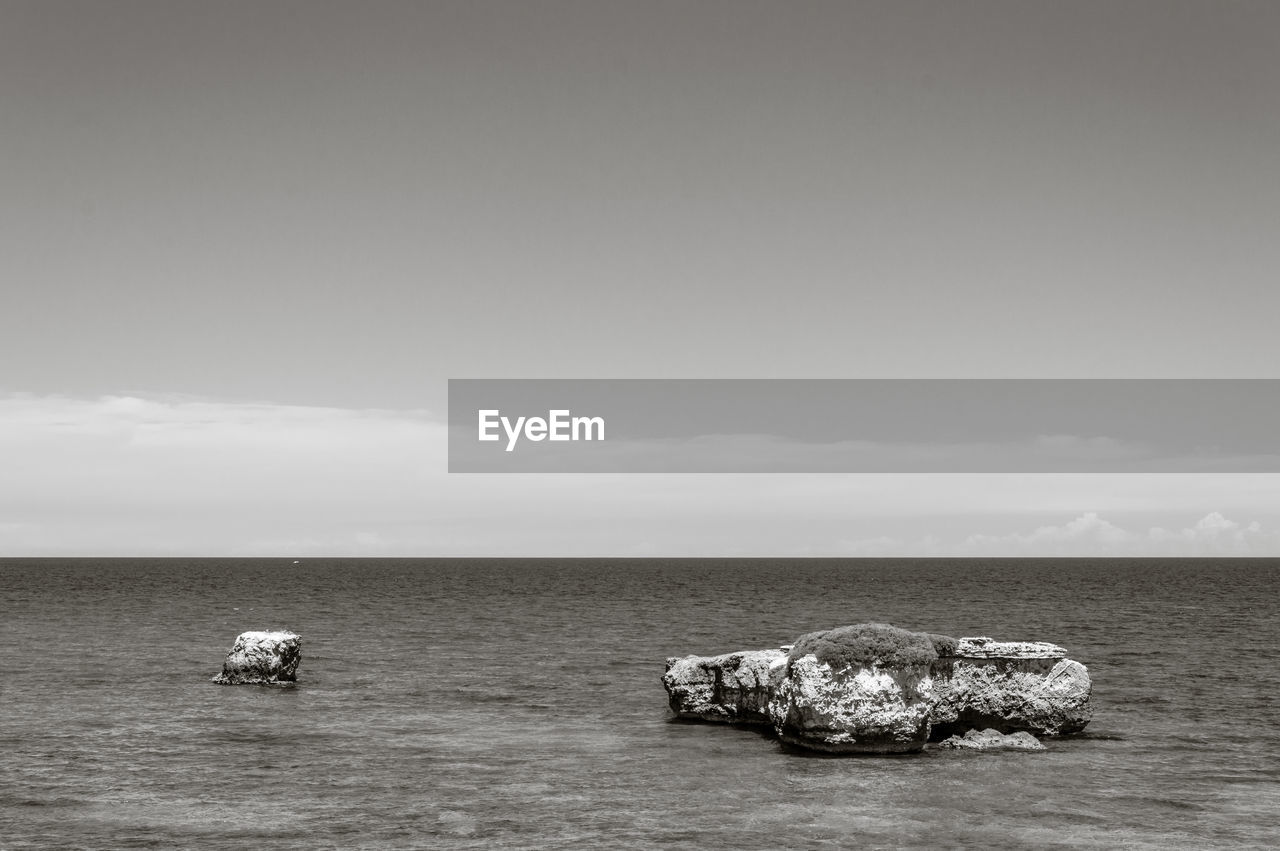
262 658
856 689
1010 686
878 689
732 688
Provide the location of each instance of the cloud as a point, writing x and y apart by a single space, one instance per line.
1091 535
1086 532
163 474
1216 534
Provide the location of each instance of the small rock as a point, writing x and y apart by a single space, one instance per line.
262 658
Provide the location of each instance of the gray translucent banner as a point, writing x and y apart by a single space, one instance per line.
864 426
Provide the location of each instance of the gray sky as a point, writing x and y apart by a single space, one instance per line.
338 206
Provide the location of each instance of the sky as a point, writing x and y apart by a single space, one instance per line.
244 245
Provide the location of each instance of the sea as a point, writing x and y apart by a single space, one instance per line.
518 703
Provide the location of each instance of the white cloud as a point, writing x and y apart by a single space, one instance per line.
1091 535
1216 534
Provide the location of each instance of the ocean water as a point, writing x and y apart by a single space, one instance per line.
518 703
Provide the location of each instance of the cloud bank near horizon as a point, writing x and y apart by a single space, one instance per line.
126 475
1090 535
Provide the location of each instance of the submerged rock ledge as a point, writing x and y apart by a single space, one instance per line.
991 740
874 688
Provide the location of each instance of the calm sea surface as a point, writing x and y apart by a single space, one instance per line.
518 703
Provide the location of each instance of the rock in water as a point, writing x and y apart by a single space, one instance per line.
992 740
730 688
1010 686
262 658
856 689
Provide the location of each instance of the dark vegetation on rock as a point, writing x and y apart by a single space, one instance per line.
943 645
868 644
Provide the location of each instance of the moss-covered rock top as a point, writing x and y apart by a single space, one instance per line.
944 645
868 644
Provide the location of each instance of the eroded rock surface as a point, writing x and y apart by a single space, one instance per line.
733 688
262 658
989 648
856 709
1010 686
873 688
993 740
